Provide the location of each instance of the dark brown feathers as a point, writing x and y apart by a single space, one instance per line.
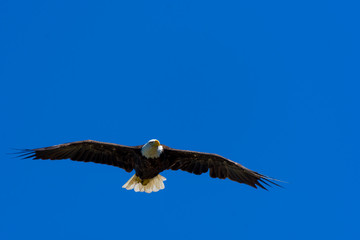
220 167
89 151
130 158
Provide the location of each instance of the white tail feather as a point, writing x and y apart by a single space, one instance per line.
155 184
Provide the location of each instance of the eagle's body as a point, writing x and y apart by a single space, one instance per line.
152 160
149 160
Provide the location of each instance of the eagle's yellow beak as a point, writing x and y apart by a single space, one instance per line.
157 143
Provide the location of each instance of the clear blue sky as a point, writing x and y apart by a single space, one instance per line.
273 85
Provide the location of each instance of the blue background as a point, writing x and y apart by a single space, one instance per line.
273 85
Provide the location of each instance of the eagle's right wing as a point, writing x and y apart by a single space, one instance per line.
88 151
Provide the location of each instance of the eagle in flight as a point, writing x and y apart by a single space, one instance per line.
149 160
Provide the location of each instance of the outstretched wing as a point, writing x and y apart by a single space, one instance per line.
88 151
220 167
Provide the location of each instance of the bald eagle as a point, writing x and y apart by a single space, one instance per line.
148 161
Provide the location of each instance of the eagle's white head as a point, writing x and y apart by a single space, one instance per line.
152 149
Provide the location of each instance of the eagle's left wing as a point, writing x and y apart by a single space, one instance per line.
220 167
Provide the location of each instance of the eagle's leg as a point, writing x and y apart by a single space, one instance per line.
145 181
